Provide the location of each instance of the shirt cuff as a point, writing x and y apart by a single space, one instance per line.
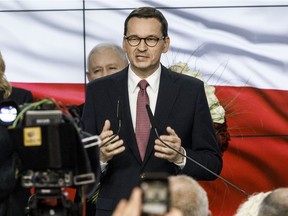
181 165
103 166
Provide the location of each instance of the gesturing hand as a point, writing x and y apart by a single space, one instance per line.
111 148
162 151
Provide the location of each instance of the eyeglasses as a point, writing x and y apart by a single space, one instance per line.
150 41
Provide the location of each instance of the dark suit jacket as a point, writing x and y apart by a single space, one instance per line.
19 95
181 104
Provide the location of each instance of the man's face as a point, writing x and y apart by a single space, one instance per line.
103 63
144 60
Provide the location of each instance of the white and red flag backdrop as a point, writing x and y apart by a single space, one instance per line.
240 47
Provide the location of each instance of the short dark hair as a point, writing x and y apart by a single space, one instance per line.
148 12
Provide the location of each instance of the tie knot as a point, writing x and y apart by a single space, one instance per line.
143 84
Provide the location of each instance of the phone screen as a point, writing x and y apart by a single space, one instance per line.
155 194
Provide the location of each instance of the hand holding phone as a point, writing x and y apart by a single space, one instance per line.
155 194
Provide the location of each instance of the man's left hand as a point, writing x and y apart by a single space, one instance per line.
162 151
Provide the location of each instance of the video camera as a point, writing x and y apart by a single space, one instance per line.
49 144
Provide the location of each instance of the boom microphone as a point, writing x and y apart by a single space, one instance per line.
119 118
153 125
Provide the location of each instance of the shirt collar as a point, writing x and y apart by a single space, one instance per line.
153 80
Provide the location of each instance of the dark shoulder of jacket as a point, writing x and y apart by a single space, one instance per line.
21 96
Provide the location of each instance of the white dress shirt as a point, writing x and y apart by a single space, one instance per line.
133 89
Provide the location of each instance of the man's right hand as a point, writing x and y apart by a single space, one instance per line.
114 147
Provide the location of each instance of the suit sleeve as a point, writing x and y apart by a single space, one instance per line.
89 112
203 147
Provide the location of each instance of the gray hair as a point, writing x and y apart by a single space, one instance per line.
275 204
188 196
250 207
104 46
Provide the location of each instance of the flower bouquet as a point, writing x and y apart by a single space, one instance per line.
216 109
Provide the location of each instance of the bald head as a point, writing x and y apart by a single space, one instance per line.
188 196
275 204
105 59
252 204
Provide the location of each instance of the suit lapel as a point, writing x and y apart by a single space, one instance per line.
127 131
168 91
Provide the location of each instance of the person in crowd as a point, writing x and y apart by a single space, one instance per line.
105 59
132 207
275 203
188 196
251 205
13 198
7 175
115 111
8 92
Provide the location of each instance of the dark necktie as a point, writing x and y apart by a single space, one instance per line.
142 119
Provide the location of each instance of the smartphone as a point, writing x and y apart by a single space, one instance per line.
155 194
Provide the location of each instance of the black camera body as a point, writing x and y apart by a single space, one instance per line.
47 153
50 151
52 156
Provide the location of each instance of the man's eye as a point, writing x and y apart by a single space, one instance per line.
133 39
151 39
97 71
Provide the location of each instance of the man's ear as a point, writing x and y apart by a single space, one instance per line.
88 75
166 44
124 46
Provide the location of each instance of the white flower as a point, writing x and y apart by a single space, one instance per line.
216 110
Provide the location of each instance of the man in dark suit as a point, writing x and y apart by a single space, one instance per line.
179 105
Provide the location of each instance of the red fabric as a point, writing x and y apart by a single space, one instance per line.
257 156
252 164
69 94
255 112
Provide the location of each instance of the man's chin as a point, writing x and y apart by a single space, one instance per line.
141 65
